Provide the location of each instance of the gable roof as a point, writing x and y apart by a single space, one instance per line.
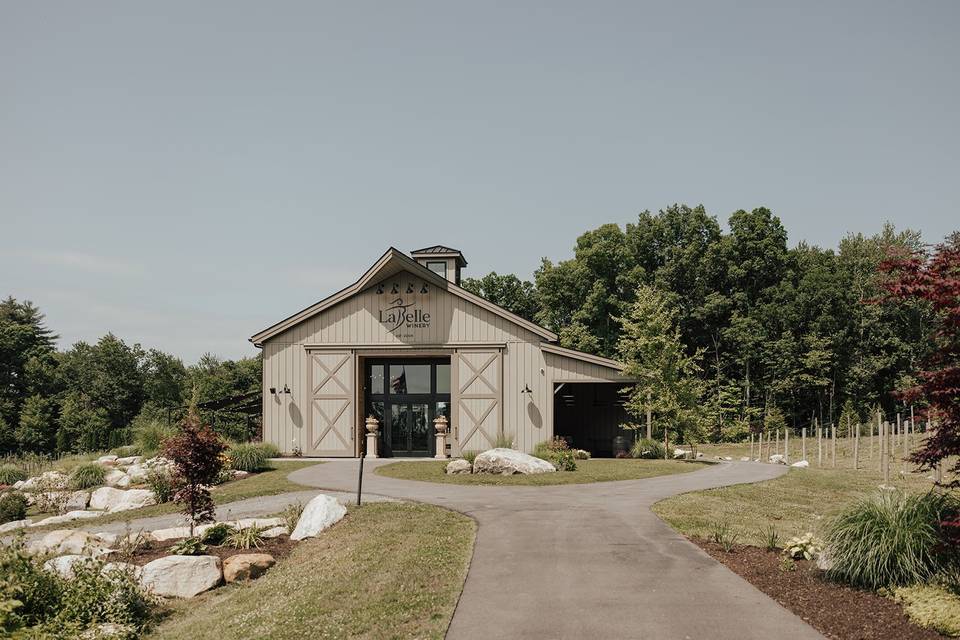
391 262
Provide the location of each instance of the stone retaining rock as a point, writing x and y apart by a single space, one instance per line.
778 458
69 516
321 512
116 478
107 460
801 464
16 524
456 467
502 461
181 576
114 500
246 566
69 541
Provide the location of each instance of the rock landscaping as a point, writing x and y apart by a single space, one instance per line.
503 461
321 512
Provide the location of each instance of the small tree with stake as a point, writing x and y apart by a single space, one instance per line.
195 451
935 279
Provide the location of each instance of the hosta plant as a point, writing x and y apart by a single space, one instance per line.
189 547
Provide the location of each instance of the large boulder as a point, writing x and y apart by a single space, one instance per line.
506 462
181 576
129 460
321 512
261 523
116 478
125 567
274 532
113 500
46 481
107 460
69 516
778 458
456 467
138 473
16 524
801 464
63 565
246 566
69 541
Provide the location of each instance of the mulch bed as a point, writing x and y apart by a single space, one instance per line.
279 548
835 610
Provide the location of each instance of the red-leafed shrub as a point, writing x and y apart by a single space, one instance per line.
935 279
195 450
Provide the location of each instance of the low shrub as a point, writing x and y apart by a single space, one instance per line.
557 452
291 515
13 506
246 538
647 449
188 547
580 454
804 547
247 457
162 484
36 603
891 539
10 474
931 606
217 534
87 475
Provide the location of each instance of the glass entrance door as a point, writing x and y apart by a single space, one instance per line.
405 395
409 429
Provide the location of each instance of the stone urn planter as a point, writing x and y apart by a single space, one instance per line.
373 429
440 424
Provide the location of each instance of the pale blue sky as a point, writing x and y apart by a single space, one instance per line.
186 173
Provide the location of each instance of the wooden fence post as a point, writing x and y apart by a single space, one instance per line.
819 444
856 448
751 445
786 446
833 446
803 443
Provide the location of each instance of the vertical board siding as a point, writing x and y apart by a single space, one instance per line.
526 417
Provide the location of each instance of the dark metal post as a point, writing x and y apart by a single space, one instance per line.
360 480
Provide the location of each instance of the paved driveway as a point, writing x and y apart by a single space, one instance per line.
589 561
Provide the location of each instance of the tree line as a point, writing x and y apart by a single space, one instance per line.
91 396
771 333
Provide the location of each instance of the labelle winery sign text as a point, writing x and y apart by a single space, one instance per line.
399 314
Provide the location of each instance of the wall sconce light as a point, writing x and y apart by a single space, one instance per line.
380 289
273 391
409 288
286 389
526 389
423 289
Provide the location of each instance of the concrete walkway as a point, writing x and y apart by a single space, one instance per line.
588 561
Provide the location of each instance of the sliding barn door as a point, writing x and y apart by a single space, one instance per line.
332 404
479 385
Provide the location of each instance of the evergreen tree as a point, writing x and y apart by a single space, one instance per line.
36 430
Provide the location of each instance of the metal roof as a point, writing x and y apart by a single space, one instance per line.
441 250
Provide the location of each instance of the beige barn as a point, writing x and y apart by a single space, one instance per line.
405 344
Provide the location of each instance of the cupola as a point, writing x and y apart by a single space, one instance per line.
443 261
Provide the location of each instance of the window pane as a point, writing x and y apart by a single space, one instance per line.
409 378
443 378
439 268
376 410
376 378
420 432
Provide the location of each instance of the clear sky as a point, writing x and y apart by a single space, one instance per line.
186 173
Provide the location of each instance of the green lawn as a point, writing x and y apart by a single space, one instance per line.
388 570
265 483
598 470
800 501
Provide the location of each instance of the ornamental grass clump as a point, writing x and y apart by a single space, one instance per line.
245 538
87 476
648 449
892 539
247 457
11 474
